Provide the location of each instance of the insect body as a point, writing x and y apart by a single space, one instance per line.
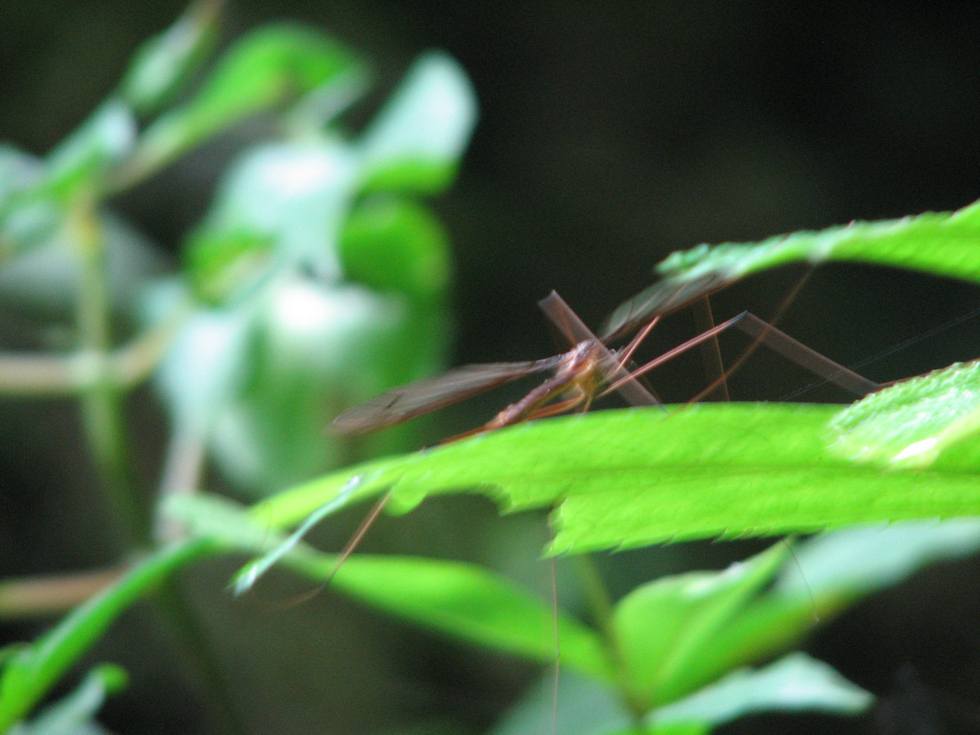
579 375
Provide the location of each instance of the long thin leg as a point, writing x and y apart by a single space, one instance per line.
627 353
554 409
710 350
775 339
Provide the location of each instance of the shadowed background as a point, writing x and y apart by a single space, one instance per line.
608 137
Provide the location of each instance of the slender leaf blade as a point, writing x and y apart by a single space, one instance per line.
461 600
939 243
795 683
634 477
31 671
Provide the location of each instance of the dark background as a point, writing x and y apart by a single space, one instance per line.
610 135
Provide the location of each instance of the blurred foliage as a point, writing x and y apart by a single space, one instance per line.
317 277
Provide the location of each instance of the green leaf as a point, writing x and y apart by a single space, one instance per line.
295 195
466 602
81 161
396 245
261 71
662 627
31 671
312 349
827 574
26 219
458 599
73 715
163 64
417 140
633 477
943 244
222 263
915 421
248 575
795 683
850 563
205 362
585 707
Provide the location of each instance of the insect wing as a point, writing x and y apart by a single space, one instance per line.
660 298
424 396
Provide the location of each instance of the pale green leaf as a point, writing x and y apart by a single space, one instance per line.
162 64
417 140
795 683
260 72
74 714
914 421
81 161
585 707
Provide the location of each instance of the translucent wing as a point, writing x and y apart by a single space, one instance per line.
424 396
660 298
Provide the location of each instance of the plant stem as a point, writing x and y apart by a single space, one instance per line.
602 613
58 375
104 427
101 400
31 597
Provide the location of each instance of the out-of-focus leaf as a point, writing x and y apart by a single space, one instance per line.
162 64
462 600
81 160
26 219
205 363
294 194
248 575
859 561
18 171
626 478
827 574
317 344
585 707
943 244
911 423
417 140
314 349
74 714
663 626
795 683
220 263
395 245
261 71
30 673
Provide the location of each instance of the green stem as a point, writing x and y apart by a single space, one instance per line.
29 375
105 428
31 597
602 612
102 399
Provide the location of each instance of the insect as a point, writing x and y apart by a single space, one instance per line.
588 370
579 375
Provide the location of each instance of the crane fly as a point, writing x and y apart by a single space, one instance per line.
588 370
578 376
